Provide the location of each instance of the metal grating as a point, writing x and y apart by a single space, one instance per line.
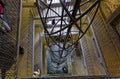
9 41
27 43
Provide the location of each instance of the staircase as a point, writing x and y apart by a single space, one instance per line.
108 48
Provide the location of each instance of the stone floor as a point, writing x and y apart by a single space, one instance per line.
77 67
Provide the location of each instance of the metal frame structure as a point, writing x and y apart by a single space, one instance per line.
72 16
